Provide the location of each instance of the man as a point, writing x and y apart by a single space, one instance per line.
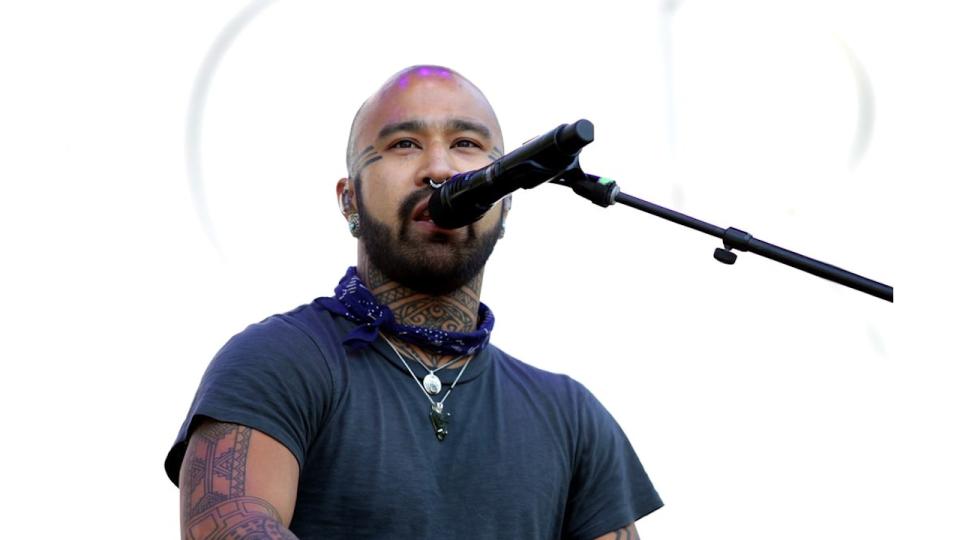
383 412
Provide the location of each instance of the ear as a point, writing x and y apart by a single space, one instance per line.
345 197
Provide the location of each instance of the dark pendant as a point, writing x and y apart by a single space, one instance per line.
439 419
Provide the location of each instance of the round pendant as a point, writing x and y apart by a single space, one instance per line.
431 383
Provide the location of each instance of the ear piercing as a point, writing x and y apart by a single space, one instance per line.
353 223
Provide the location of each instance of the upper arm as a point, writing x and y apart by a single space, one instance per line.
609 488
236 479
626 533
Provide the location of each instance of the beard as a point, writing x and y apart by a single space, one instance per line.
436 265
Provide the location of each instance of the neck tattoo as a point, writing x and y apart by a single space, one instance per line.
452 312
353 300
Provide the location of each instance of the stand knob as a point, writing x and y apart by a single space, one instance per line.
725 256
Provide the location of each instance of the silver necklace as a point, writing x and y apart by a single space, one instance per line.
438 418
431 383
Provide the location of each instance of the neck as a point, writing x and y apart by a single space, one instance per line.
455 311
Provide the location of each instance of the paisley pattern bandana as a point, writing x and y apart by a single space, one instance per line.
354 301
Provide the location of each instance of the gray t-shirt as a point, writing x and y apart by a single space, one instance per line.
530 454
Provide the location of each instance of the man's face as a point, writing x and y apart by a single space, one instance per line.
423 125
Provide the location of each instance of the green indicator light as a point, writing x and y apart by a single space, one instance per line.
604 181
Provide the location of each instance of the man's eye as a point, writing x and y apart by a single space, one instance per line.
464 143
405 143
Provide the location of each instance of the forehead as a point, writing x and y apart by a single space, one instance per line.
428 95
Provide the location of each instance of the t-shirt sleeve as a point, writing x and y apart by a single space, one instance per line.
610 488
271 377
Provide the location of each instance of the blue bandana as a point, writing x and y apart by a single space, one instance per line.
354 301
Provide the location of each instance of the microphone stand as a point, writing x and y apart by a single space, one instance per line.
605 192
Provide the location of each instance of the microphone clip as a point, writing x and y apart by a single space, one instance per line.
601 191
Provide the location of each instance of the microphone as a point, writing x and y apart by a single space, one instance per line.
466 197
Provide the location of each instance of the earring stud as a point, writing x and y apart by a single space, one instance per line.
353 223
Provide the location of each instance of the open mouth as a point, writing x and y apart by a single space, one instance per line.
422 212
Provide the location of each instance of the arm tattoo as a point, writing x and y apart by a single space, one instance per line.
213 489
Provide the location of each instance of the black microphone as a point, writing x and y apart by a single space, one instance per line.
466 197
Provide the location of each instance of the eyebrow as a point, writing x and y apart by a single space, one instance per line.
420 126
462 124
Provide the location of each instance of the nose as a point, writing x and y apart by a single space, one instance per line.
437 166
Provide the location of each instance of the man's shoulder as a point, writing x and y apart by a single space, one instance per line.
301 335
539 379
274 376
305 324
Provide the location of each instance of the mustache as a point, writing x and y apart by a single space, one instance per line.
405 211
411 201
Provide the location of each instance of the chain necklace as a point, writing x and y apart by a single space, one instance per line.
431 383
438 418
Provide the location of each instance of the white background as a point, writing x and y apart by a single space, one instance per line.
764 402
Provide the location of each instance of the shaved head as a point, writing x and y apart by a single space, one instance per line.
401 81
